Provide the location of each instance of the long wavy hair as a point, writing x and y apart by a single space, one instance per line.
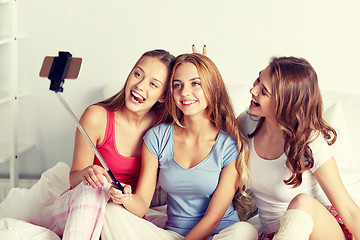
220 111
117 101
298 111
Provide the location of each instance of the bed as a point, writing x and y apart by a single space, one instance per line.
26 213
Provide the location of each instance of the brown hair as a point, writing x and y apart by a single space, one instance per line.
299 112
117 101
220 110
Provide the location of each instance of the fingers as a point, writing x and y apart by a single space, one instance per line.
194 50
118 197
93 176
127 189
204 50
108 178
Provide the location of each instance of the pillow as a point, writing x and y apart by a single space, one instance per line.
18 229
160 196
350 105
342 148
351 180
34 205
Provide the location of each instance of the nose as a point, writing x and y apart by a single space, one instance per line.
253 91
185 91
140 85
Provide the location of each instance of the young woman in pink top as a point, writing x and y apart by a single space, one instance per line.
116 126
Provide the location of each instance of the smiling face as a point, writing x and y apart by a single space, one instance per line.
263 101
146 84
188 94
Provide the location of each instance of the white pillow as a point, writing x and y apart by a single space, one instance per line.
351 180
351 108
18 229
342 148
34 205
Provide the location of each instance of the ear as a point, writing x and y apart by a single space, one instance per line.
162 99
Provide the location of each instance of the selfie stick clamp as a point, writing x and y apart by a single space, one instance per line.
57 75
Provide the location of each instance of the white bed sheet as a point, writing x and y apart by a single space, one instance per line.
26 213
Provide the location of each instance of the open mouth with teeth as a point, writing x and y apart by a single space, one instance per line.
188 102
255 103
137 97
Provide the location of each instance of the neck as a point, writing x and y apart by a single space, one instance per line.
198 126
271 128
134 118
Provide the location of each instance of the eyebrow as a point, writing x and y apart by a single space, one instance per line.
191 79
153 78
263 84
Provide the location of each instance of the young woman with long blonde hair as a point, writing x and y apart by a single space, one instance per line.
197 150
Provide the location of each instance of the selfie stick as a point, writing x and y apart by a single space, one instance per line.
58 71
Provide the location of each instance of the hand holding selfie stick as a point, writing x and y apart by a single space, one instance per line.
57 69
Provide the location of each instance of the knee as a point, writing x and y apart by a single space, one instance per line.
301 201
84 193
240 230
110 206
115 209
247 231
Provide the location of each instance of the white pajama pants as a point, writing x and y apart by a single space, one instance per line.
121 224
79 213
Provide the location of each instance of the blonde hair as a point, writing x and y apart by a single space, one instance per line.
220 112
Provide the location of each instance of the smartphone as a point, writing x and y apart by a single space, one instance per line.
73 72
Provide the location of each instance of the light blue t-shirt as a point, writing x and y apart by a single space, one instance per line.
189 191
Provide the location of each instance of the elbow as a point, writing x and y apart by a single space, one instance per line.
140 212
136 207
216 223
73 183
213 223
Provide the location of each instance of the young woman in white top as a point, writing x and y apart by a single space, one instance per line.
293 174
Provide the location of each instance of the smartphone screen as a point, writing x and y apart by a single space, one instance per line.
73 72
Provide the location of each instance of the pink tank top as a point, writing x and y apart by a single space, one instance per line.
125 169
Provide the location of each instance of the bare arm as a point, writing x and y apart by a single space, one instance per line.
94 122
218 205
139 202
329 179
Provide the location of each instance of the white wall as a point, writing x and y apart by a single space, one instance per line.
110 35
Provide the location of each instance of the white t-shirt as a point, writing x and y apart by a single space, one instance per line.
272 195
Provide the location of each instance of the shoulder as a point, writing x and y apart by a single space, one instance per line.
94 115
159 131
320 149
95 109
247 123
227 147
317 141
226 139
161 128
157 139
